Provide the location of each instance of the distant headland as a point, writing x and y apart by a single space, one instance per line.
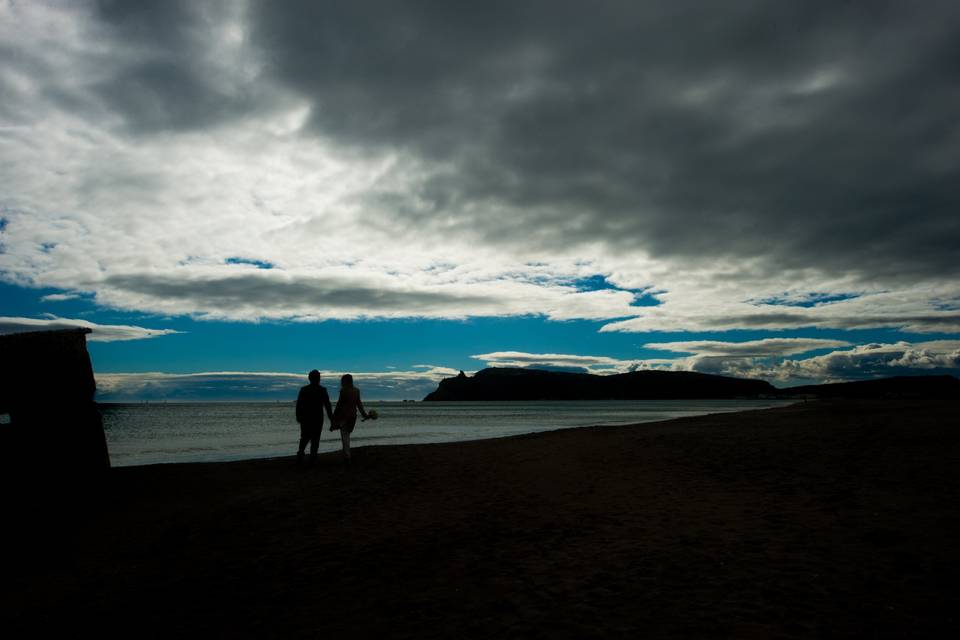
536 384
506 384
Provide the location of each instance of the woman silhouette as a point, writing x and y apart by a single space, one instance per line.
345 415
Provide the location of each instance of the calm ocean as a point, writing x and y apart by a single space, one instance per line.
156 433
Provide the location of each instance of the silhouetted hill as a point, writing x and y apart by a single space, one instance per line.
895 387
536 384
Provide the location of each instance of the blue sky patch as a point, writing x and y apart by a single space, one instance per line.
642 297
259 264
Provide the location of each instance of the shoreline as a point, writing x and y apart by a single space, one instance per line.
363 438
825 518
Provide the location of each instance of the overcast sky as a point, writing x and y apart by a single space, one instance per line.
751 188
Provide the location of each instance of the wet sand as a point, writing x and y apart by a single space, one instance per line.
818 519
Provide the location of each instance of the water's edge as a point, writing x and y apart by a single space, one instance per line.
141 434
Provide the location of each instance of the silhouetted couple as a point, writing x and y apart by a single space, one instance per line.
313 401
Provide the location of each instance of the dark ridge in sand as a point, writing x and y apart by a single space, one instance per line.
833 519
506 384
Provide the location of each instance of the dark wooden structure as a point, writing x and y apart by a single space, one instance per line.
52 427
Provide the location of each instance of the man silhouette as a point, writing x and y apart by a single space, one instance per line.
311 403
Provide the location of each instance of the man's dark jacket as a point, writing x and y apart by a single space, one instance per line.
311 404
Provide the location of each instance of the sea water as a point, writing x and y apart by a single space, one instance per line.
203 432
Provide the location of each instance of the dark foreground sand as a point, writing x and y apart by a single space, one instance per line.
830 519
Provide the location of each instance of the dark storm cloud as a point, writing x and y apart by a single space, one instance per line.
816 134
165 95
173 79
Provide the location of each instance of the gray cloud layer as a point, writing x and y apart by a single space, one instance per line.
236 292
464 158
252 293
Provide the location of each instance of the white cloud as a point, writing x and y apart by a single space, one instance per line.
859 362
554 360
763 359
875 360
246 385
766 347
100 332
59 297
932 308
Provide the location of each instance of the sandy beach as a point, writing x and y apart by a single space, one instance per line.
835 518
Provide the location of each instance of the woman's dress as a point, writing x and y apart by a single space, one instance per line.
345 414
